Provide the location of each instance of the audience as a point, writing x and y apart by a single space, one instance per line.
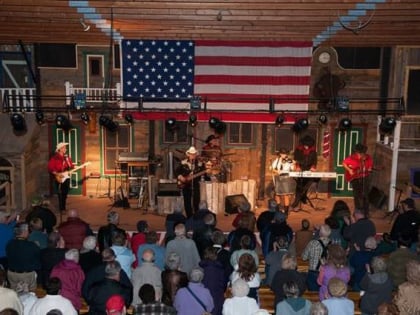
89 257
337 303
122 253
8 297
138 239
115 305
51 256
294 304
248 271
407 299
74 230
149 305
37 234
7 226
152 242
240 303
172 278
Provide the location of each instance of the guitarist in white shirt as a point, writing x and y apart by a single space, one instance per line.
189 180
59 165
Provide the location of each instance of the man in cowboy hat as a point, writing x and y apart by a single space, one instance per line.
58 165
189 174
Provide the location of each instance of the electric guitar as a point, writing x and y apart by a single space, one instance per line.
61 177
357 173
183 181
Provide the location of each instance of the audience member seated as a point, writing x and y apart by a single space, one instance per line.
336 266
23 258
98 274
101 291
185 248
27 297
149 305
71 277
214 278
53 300
37 234
267 216
105 232
377 287
407 222
223 255
7 226
359 260
398 259
195 298
149 273
48 218
245 227
246 244
248 271
8 297
294 303
152 240
123 254
316 253
240 303
74 230
139 238
172 220
337 303
273 261
287 273
318 308
277 228
385 245
302 237
115 305
89 257
51 256
172 278
357 230
407 299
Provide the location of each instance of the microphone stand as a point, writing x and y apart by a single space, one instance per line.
396 209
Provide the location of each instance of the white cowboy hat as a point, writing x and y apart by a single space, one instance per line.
191 150
60 145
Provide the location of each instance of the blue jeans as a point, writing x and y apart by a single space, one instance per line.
311 280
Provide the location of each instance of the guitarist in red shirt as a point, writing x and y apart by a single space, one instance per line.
58 165
358 167
189 174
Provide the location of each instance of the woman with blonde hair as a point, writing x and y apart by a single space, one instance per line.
336 266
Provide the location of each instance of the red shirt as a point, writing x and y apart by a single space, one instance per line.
59 163
361 167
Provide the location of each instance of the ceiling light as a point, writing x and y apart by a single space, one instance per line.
129 118
85 118
300 125
387 125
86 27
39 117
323 119
108 123
279 120
63 122
345 124
18 123
171 124
213 121
192 120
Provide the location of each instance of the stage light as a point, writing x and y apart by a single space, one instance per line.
387 125
129 118
171 124
345 124
322 119
18 123
300 125
342 104
279 120
218 125
108 123
85 118
213 121
39 117
192 120
63 122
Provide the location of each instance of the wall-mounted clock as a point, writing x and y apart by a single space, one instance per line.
324 57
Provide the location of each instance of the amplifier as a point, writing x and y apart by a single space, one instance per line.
168 189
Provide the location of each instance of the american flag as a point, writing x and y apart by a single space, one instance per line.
227 74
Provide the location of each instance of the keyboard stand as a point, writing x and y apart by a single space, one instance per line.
313 189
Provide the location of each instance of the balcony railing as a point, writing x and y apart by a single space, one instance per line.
17 99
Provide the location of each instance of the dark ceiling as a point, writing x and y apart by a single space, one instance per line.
331 23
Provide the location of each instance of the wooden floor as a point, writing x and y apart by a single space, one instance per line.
93 210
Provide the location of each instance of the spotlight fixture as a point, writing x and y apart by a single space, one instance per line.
387 125
171 124
86 27
85 118
192 120
322 119
300 125
129 118
39 117
345 124
18 123
108 123
213 121
279 120
63 122
218 125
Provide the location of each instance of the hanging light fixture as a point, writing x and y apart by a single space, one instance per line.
108 123
63 122
129 118
345 124
192 120
387 125
171 124
279 120
323 119
18 123
39 117
300 125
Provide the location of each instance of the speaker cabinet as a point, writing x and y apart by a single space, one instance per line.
233 202
376 197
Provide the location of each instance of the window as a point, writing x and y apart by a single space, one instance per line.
284 137
176 135
240 134
113 144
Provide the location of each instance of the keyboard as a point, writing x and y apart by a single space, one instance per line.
309 174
